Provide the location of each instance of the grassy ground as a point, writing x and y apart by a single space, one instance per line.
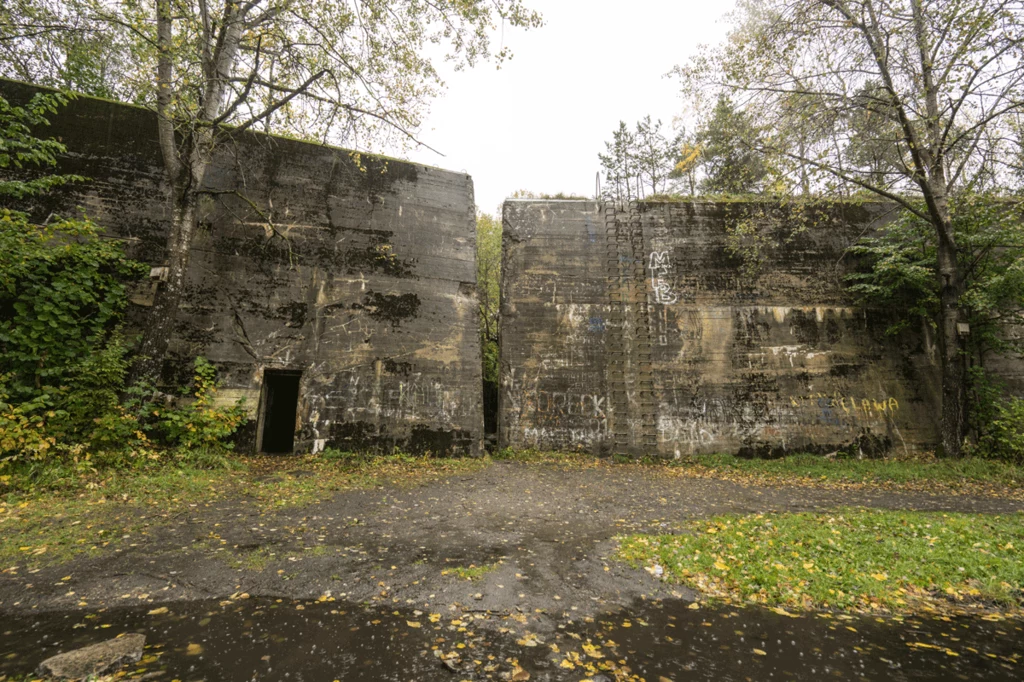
48 513
73 510
902 472
851 559
970 476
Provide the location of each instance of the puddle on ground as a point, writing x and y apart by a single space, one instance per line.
267 639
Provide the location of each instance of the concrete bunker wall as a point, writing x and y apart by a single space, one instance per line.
357 271
641 332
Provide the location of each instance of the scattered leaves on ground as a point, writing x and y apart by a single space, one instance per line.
863 560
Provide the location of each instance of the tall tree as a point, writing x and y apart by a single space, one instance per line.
488 285
618 165
732 161
943 79
688 157
638 162
349 71
654 156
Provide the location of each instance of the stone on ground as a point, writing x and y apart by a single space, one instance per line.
97 659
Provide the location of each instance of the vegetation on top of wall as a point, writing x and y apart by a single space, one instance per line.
638 161
543 196
858 199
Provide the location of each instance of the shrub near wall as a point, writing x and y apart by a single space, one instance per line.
63 293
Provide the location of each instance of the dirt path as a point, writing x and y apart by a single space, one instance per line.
546 531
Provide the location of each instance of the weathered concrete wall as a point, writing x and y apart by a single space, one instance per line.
643 333
358 272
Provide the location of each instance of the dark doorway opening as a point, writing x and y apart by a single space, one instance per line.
490 412
280 403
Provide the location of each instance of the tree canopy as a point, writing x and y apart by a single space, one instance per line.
638 162
344 71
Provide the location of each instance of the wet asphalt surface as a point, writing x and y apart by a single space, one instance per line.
546 533
262 639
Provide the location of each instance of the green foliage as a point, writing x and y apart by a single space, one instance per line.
62 286
728 142
83 418
757 229
21 150
62 289
997 418
23 432
990 235
200 423
488 283
1004 436
63 292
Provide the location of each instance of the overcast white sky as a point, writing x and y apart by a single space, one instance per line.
540 121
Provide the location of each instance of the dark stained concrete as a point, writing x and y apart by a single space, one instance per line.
357 271
641 332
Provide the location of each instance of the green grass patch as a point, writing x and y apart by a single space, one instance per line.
471 572
50 513
968 476
863 560
920 470
255 560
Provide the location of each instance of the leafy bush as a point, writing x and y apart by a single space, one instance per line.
64 402
989 233
19 148
81 418
1004 437
200 423
23 427
62 290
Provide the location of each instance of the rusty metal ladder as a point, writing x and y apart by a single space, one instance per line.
629 369
644 377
